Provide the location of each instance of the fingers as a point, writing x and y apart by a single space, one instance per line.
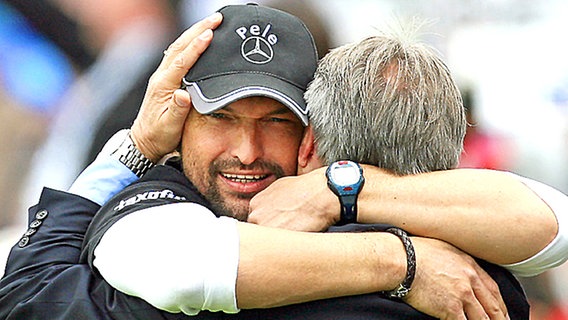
158 127
489 295
181 43
494 289
180 57
486 302
178 109
162 132
456 289
181 103
478 304
185 59
475 310
186 49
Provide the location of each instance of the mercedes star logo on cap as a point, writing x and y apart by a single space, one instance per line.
257 50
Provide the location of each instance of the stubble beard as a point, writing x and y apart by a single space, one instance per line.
219 203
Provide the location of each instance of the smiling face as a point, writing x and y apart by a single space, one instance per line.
233 153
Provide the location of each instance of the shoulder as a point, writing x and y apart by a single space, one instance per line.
160 186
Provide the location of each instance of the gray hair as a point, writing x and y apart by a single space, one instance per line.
387 102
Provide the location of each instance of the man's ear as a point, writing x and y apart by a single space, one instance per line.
306 153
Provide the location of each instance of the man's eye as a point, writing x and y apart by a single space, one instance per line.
217 115
278 120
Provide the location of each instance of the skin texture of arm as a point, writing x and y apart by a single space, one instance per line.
488 214
374 262
272 262
287 254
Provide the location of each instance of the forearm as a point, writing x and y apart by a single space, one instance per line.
196 261
489 214
278 267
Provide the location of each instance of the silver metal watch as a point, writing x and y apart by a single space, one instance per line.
131 157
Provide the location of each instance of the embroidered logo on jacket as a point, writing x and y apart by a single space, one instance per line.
149 195
257 45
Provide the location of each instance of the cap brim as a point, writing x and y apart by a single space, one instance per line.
215 93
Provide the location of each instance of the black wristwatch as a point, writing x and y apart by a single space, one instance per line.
345 179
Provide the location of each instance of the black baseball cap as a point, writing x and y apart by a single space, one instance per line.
256 51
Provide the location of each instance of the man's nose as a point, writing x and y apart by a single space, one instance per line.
248 145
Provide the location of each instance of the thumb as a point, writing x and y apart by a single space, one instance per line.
180 107
156 135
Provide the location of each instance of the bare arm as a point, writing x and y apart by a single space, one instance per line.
194 260
488 214
346 264
270 257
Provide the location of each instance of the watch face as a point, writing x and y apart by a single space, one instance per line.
345 174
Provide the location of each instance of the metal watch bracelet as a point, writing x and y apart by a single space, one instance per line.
403 288
132 158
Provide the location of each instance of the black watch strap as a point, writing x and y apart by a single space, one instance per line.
348 209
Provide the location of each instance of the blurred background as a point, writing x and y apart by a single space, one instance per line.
74 72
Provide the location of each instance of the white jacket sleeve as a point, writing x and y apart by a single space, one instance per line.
178 257
556 253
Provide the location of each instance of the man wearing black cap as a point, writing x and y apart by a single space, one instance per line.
255 54
184 262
